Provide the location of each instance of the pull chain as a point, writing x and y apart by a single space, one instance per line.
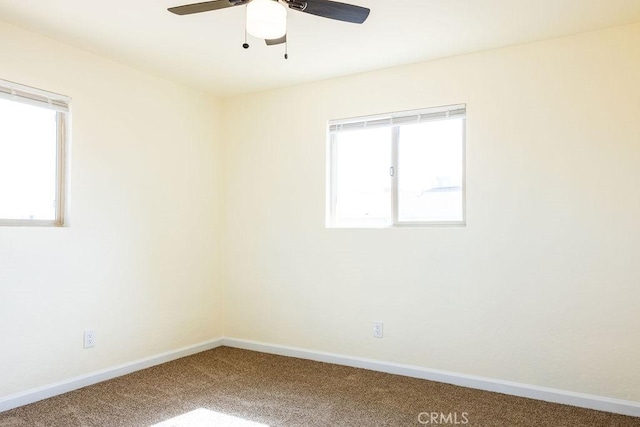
245 44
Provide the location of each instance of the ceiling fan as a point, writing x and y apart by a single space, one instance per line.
267 19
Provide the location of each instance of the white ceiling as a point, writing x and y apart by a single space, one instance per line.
205 50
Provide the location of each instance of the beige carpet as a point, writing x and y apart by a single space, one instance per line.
231 387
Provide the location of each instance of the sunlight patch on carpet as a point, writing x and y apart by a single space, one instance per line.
205 418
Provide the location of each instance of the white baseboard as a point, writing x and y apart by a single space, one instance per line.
506 387
516 389
39 393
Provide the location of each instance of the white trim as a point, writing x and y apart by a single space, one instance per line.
28 223
332 189
398 118
395 141
581 400
61 163
65 386
33 96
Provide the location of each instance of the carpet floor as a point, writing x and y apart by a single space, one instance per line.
232 387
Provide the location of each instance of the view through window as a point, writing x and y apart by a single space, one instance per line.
402 169
31 158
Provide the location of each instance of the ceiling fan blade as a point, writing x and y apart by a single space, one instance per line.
206 6
335 10
273 42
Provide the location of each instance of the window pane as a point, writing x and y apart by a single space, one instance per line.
430 171
363 183
28 150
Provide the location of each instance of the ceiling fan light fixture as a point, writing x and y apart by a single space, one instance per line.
266 19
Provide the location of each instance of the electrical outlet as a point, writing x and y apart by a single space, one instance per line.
377 329
89 339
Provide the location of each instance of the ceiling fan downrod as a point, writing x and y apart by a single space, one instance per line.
300 6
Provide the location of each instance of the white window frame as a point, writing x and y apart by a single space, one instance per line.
61 105
393 120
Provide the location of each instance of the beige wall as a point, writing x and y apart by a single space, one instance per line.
139 263
541 287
